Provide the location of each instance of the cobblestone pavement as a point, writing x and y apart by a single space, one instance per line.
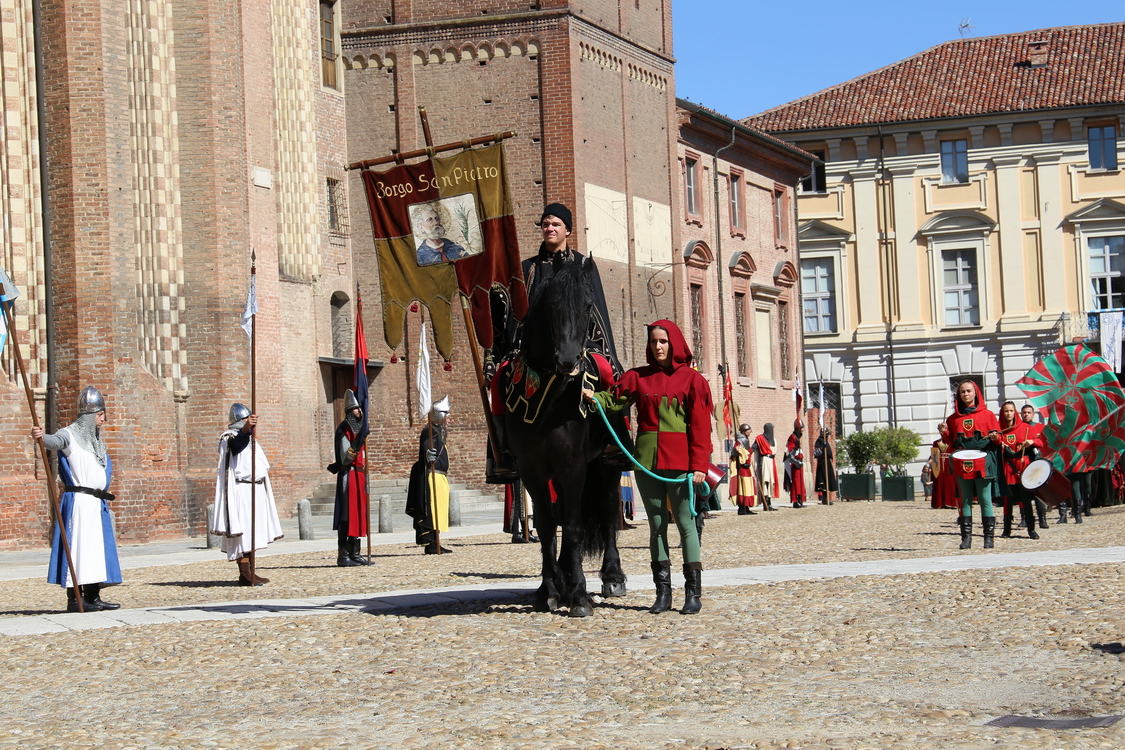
904 661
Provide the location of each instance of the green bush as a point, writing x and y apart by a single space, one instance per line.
898 446
893 447
858 450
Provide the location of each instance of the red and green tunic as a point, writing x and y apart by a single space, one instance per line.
674 410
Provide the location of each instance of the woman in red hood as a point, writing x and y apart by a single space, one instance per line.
673 438
1015 440
973 427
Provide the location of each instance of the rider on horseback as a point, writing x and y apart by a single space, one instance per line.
556 225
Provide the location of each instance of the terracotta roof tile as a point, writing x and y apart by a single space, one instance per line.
1085 66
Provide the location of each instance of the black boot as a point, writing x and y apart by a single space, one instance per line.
693 585
344 551
1062 514
1077 508
1007 526
500 470
662 577
71 600
92 594
1027 510
966 531
989 525
89 598
354 549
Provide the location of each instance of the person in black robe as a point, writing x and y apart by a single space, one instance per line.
825 480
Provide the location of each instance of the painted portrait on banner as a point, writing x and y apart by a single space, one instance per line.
446 229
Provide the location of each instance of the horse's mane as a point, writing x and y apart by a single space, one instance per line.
562 305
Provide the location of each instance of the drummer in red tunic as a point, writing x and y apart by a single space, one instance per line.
974 427
1015 446
1035 433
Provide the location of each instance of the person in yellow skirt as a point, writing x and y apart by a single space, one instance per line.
427 495
743 489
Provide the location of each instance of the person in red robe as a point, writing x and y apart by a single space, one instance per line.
945 485
794 467
1014 443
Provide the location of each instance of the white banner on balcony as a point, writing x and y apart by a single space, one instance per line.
1111 339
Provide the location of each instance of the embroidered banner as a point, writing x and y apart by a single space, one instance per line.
440 227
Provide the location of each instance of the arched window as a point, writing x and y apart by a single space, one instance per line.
697 259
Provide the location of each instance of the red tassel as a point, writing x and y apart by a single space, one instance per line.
448 367
413 307
394 359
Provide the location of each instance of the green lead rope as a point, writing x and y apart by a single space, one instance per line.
687 480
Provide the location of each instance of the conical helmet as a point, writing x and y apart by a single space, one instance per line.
440 411
90 401
350 401
238 412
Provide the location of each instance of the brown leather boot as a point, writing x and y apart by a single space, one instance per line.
244 574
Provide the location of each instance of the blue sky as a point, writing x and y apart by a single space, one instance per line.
741 57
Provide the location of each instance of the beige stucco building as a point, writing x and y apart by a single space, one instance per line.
970 214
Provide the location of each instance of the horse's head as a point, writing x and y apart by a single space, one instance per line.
560 318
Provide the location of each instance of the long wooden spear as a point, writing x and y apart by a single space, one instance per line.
253 429
51 489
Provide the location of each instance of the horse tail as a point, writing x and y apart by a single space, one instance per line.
600 501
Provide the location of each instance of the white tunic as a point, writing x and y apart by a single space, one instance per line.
84 525
233 504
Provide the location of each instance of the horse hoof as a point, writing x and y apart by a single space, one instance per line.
614 588
552 604
582 610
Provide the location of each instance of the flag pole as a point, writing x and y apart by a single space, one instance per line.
51 489
367 409
253 430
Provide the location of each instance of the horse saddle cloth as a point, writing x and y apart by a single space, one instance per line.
525 389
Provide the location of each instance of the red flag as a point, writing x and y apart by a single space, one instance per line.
359 376
728 405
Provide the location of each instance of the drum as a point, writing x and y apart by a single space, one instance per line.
969 464
1041 480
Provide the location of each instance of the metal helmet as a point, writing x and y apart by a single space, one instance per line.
90 401
350 401
238 412
744 427
440 411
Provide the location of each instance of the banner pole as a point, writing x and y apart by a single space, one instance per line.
253 430
51 489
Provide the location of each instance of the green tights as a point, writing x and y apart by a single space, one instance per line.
981 489
653 493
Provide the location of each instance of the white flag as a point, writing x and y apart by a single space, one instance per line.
821 402
422 378
8 294
251 307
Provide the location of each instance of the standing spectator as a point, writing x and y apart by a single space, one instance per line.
765 467
825 482
743 490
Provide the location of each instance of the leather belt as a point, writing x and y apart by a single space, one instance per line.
100 494
247 481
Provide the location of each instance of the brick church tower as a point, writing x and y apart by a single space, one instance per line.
588 85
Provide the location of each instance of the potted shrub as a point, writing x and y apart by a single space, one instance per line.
858 450
897 446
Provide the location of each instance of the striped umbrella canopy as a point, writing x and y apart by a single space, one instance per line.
1083 404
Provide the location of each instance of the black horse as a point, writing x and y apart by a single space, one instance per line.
554 444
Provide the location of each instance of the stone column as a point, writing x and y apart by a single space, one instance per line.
867 257
1051 216
909 275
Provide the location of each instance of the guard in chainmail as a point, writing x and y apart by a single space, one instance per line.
86 470
427 495
350 516
245 510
